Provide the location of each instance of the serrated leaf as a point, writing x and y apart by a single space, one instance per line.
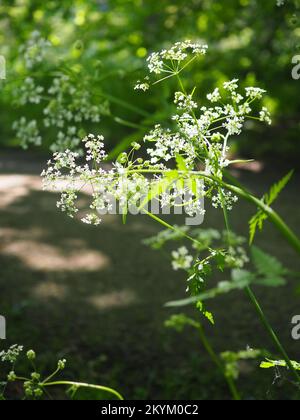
257 221
266 265
277 188
208 315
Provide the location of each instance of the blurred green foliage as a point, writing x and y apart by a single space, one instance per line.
105 42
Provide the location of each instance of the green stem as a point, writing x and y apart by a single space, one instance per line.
52 375
83 385
214 357
203 337
168 226
272 333
259 309
289 235
274 217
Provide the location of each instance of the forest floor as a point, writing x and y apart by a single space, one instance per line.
96 295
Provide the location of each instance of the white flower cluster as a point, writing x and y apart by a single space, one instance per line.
27 132
34 50
159 62
125 183
29 92
214 96
167 145
206 132
280 2
200 136
224 199
185 102
144 86
265 116
65 174
12 354
68 107
181 259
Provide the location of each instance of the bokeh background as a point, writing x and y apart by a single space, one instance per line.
96 296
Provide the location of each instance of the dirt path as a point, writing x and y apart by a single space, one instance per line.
96 295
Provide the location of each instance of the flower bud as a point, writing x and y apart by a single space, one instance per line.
61 364
11 377
30 355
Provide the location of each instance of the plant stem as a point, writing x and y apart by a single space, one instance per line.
272 333
259 309
284 230
274 217
83 385
214 357
203 337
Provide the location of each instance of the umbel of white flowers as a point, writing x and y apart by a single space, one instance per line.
200 136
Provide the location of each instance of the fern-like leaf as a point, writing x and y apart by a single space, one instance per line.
257 221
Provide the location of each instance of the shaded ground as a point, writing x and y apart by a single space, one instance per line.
96 296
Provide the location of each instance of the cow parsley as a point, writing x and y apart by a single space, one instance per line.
197 136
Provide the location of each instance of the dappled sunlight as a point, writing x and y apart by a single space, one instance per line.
50 290
115 299
13 187
40 256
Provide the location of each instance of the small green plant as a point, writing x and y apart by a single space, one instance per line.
35 385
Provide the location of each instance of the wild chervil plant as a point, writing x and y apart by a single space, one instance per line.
188 161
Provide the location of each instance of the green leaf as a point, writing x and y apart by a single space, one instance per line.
267 265
181 165
257 221
208 315
240 280
277 188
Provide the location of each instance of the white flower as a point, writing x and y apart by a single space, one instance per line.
181 259
27 132
214 96
144 86
265 116
12 354
232 85
177 53
184 101
91 219
234 125
254 92
155 63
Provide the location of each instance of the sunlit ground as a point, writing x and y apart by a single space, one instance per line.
96 295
